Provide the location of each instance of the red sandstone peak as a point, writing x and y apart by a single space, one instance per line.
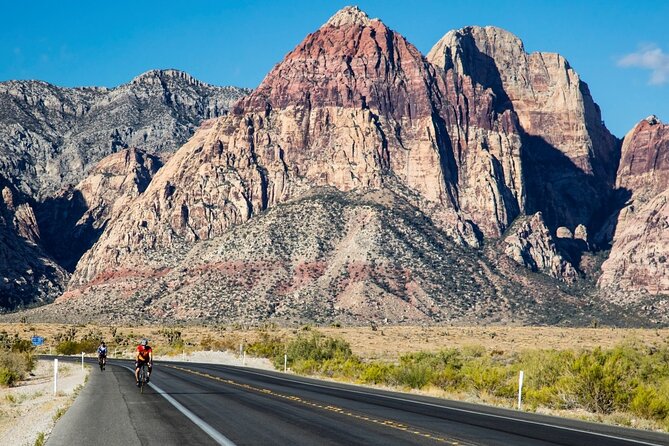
351 61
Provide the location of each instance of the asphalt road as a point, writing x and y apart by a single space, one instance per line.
201 404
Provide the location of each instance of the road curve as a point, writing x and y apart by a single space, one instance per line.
191 403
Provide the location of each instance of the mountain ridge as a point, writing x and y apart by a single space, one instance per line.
66 130
507 164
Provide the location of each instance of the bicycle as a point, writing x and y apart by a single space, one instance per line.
102 362
143 377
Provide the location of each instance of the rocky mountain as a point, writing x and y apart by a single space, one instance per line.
362 181
358 108
532 245
353 106
51 136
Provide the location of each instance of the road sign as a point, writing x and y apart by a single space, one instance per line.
38 340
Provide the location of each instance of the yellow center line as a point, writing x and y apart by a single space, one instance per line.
389 423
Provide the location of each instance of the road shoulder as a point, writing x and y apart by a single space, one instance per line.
30 409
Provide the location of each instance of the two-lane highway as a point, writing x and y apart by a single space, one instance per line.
191 403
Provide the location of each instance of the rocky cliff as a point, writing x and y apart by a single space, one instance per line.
51 136
73 219
27 275
569 157
531 244
640 247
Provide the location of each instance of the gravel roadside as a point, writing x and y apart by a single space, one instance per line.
30 409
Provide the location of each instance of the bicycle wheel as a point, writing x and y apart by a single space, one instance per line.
142 378
101 363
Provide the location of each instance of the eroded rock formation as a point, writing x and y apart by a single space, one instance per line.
27 275
640 247
531 244
569 157
72 220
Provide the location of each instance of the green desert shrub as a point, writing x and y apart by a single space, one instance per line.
306 366
76 347
317 347
173 337
268 346
14 366
8 377
343 367
40 440
650 402
22 345
413 375
67 348
604 380
484 376
376 373
449 377
15 343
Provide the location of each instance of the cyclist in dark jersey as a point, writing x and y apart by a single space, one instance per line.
102 354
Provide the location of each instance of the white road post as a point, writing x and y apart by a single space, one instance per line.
82 360
241 349
55 376
285 363
183 355
244 359
520 390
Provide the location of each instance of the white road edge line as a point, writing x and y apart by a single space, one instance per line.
502 417
213 433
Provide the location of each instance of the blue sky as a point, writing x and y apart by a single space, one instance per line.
621 49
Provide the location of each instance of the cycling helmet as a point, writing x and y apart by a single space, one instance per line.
103 344
144 342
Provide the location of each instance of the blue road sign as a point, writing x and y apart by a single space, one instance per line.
38 340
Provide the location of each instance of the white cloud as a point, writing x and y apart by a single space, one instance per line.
652 58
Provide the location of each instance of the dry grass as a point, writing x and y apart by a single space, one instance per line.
386 342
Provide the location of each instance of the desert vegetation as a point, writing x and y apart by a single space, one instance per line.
606 374
16 358
628 381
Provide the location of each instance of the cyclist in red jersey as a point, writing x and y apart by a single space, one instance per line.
144 354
